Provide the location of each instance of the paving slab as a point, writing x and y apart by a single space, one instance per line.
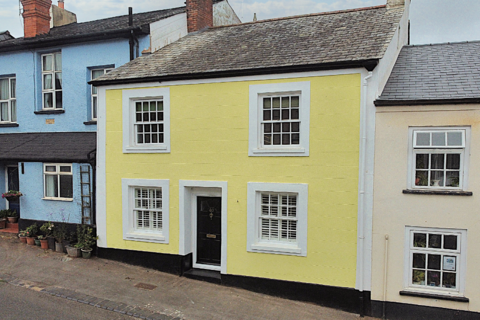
114 286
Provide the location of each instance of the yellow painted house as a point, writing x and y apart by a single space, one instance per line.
243 155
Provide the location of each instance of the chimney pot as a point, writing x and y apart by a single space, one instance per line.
61 4
199 14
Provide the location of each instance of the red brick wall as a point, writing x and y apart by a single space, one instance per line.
199 14
36 17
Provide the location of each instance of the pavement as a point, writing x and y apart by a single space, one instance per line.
140 292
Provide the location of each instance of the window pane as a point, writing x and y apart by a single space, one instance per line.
65 169
454 138
423 139
47 81
421 178
433 278
58 99
50 168
14 111
450 242
434 240
94 107
295 102
418 277
47 63
421 161
418 260
267 115
453 179
66 186
58 81
437 161
285 102
13 88
434 261
267 103
276 103
438 139
4 89
294 114
420 240
453 161
449 280
97 73
3 111
436 179
58 62
51 185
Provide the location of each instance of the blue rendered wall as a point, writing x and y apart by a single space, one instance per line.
77 61
35 208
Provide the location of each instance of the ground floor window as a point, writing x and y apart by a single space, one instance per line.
145 210
58 181
436 259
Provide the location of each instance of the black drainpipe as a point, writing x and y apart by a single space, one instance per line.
132 36
92 160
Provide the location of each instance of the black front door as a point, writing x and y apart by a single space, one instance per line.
13 184
209 226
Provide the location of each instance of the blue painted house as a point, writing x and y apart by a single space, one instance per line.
47 109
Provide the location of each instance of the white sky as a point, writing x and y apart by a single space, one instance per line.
432 21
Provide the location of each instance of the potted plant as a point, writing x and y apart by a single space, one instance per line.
23 236
12 195
37 241
3 219
88 240
59 233
47 228
31 232
43 242
12 216
73 249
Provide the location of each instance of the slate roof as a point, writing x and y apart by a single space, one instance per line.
434 74
91 30
326 40
51 147
5 35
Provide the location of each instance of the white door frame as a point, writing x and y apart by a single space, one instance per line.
189 190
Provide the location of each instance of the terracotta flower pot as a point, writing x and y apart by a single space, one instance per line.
23 239
44 244
12 219
31 241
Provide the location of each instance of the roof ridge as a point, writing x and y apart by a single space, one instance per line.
441 43
304 15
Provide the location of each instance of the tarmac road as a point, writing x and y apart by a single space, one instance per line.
18 303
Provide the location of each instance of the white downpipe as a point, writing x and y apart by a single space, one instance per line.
361 184
385 273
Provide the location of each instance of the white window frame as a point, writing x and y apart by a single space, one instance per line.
130 232
93 94
57 173
256 94
11 100
254 241
54 89
464 152
129 140
460 253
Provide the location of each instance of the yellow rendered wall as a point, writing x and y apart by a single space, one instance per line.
209 141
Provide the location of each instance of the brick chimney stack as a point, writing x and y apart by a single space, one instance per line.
36 17
61 4
199 14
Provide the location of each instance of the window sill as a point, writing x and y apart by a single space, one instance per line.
145 237
56 111
8 125
59 199
434 296
91 122
292 152
156 149
439 192
276 249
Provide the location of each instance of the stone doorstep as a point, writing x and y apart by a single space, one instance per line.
72 295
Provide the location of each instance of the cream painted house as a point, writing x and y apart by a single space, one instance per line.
426 222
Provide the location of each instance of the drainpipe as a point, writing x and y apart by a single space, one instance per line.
385 269
132 36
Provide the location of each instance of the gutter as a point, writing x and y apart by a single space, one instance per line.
42 43
418 102
368 64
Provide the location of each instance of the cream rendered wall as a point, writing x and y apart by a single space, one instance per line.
166 31
394 210
223 14
209 141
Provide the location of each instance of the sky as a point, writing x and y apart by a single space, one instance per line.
432 21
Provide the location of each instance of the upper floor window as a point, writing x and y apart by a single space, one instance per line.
279 119
94 96
52 81
439 158
146 120
8 100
